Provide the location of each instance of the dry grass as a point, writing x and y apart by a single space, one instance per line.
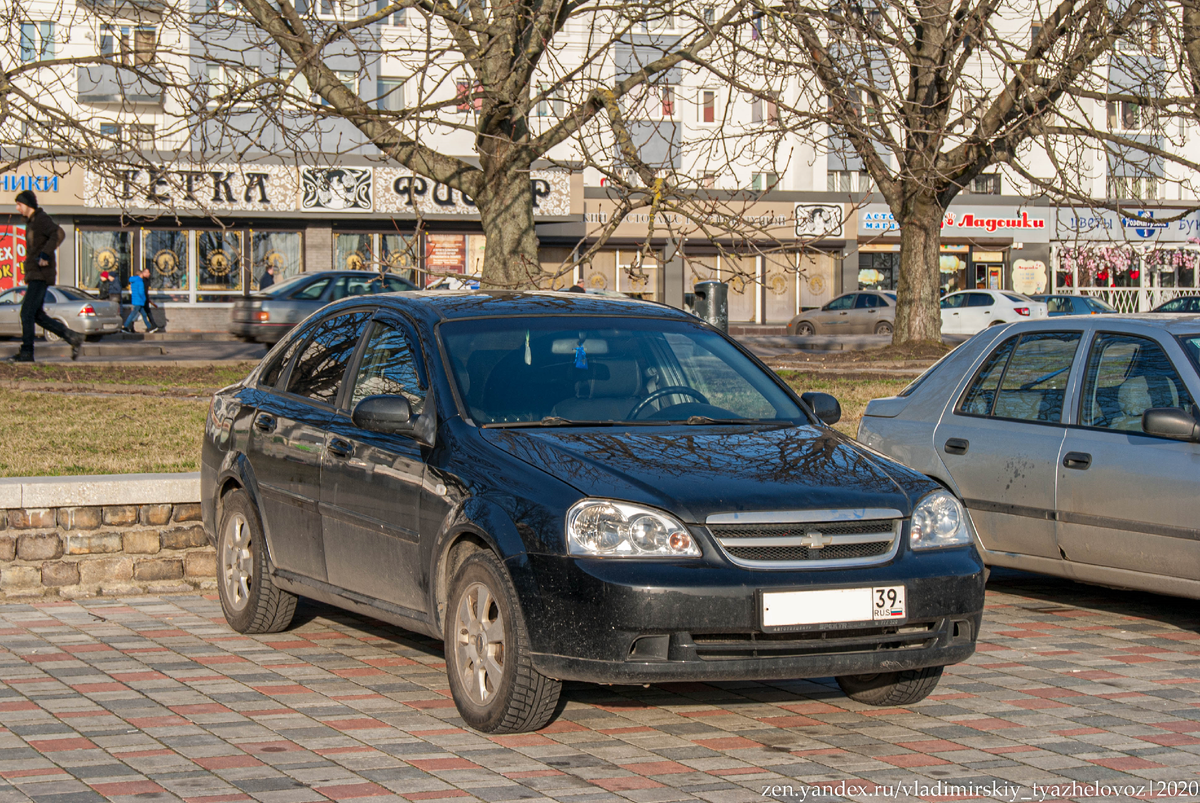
142 374
852 394
58 434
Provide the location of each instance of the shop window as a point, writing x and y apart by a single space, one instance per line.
219 257
165 253
878 271
400 255
282 250
101 251
353 252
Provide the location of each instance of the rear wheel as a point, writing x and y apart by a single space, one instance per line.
492 680
891 688
883 328
804 329
250 601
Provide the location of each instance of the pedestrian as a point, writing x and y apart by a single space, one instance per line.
268 278
42 238
577 287
114 291
140 301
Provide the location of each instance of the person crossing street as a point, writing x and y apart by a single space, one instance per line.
42 238
140 300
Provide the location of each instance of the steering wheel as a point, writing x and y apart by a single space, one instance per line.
667 391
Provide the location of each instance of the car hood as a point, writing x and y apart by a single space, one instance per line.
697 471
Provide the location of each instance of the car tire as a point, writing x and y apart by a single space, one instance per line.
883 328
805 329
509 696
50 337
891 688
250 601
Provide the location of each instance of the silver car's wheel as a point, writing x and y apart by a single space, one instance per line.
236 567
479 643
804 329
251 602
50 336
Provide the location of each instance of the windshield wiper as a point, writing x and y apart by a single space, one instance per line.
693 420
548 421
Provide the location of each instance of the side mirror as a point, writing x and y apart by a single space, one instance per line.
824 406
383 414
1171 422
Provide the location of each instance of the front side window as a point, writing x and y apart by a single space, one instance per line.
1126 376
389 367
955 301
843 302
312 292
318 372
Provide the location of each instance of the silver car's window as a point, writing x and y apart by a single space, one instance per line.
389 367
12 296
1034 384
318 371
313 291
845 302
1127 375
982 393
1191 344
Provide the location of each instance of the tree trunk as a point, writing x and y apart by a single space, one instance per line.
918 309
510 259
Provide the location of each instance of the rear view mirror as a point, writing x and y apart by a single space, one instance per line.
383 414
1171 422
824 406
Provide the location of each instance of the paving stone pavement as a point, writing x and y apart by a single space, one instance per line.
1087 693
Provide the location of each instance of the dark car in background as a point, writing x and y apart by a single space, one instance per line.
566 486
1181 304
268 315
1063 304
74 308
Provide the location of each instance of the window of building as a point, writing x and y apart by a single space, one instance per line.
281 250
469 95
223 6
986 184
165 254
391 95
848 181
762 182
397 19
708 106
101 251
219 260
130 45
709 15
878 271
335 9
111 133
1125 115
708 181
667 96
764 110
140 135
657 23
1142 188
1035 30
549 105
37 41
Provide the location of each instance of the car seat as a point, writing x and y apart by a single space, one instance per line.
608 394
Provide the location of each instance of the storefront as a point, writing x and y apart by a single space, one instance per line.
984 245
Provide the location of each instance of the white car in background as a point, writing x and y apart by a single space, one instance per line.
971 311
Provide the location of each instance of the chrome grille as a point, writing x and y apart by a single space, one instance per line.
808 539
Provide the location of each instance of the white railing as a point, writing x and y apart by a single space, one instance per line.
1133 299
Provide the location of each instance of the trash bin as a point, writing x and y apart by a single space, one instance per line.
712 304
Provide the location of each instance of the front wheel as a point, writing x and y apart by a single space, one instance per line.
492 680
250 601
804 329
891 688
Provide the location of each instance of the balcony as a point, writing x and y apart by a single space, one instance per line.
106 83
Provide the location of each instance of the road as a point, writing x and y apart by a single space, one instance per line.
147 698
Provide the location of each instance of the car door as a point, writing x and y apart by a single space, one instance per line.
865 314
1000 443
980 313
953 308
834 317
372 483
10 311
1128 500
287 441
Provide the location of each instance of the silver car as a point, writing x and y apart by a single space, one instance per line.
1074 442
866 312
78 311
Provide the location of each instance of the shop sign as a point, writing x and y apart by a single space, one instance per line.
1029 276
335 189
217 187
401 191
989 222
445 253
12 183
12 256
820 220
1031 225
1134 225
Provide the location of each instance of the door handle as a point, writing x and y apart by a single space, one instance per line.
1077 460
957 446
264 422
339 448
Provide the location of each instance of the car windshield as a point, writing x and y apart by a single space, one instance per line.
283 287
1097 304
559 371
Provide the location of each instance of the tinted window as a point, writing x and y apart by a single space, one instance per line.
843 302
1059 304
1191 344
13 296
389 367
1016 298
319 368
395 285
1035 382
982 392
954 301
270 377
1127 375
1098 305
979 300
866 301
72 294
312 292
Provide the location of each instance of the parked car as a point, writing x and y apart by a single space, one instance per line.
74 308
1180 304
266 316
468 282
1074 305
572 487
970 311
1072 441
862 313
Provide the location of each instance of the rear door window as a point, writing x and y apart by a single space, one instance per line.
1024 378
318 371
979 300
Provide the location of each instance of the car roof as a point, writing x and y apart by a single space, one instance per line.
1184 323
434 305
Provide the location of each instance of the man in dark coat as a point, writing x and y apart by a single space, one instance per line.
42 238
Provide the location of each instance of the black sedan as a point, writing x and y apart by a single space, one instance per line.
571 487
268 315
1074 305
1188 304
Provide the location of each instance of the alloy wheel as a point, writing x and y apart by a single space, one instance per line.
479 645
237 564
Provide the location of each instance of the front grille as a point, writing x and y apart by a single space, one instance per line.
735 646
842 541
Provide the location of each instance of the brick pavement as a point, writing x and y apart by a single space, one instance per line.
155 699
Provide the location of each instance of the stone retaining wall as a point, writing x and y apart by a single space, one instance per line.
87 536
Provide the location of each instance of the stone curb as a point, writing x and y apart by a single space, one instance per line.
100 489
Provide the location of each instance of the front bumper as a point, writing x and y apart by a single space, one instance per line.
615 621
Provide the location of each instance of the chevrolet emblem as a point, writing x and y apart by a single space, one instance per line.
816 540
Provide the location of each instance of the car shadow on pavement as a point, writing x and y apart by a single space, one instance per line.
1061 593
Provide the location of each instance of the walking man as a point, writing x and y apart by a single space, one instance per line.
42 238
139 299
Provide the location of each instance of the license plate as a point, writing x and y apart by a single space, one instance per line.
832 606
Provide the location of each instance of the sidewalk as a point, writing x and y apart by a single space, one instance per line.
147 698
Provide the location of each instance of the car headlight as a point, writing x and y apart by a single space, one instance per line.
939 520
603 528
